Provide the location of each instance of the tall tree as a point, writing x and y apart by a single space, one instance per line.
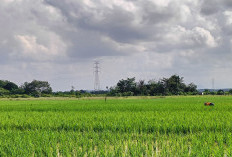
191 88
10 86
175 84
36 88
128 85
141 88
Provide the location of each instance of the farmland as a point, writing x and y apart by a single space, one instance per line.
154 126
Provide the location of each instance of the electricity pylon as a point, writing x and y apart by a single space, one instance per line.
96 76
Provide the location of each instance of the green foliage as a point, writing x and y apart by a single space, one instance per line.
10 86
161 126
18 91
230 91
220 92
165 86
127 85
174 85
77 94
7 85
4 92
2 83
36 88
206 92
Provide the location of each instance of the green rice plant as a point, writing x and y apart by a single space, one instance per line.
170 126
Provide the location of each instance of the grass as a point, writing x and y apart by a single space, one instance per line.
137 126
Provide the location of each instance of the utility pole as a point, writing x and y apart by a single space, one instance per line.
96 76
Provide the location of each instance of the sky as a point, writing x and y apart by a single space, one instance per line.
59 40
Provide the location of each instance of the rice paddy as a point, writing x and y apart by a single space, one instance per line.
154 126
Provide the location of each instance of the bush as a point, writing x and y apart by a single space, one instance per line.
220 92
4 92
46 95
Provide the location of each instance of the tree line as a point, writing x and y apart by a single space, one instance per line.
173 85
217 92
38 88
35 88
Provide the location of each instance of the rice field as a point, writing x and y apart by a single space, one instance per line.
154 126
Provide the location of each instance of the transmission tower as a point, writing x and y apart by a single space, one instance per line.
96 76
213 84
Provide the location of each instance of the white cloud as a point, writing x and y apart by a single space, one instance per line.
201 35
154 38
228 15
36 51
